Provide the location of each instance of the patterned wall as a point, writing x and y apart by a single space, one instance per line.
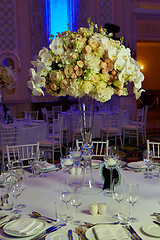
104 12
7 25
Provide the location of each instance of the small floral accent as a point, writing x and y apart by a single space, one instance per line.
85 62
7 78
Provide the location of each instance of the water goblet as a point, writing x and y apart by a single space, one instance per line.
132 196
148 160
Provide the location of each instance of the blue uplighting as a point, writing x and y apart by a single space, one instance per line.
58 16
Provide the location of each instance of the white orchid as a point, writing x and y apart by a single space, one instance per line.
57 46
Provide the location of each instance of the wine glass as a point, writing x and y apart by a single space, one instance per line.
17 189
32 160
119 194
65 197
42 161
148 160
132 196
76 200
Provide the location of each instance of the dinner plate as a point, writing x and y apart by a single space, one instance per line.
137 165
35 232
90 234
60 236
152 229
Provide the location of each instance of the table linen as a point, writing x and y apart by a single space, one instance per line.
41 194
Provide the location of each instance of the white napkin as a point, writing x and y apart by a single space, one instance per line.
47 166
24 226
107 232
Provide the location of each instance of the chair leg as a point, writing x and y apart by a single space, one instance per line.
121 141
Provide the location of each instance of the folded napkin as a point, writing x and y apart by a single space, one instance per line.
106 232
105 172
47 166
24 226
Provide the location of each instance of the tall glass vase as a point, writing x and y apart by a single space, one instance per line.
86 110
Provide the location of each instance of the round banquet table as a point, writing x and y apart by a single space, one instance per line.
34 132
42 193
98 121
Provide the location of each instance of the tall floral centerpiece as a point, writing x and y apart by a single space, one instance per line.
85 63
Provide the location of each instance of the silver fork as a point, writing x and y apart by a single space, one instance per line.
15 217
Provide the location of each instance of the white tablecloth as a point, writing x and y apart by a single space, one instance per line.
42 193
33 133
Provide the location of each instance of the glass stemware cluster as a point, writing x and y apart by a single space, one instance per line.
126 193
14 184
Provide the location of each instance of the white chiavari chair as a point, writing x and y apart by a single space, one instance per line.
10 135
22 153
54 142
135 130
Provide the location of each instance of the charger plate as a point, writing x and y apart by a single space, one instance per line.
37 231
60 235
137 165
152 229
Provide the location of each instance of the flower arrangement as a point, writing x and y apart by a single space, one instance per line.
7 78
85 62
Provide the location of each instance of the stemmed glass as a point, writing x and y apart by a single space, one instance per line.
67 164
18 173
42 161
33 160
65 197
132 196
17 189
148 160
119 194
76 201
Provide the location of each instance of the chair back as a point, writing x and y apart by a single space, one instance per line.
58 129
22 153
155 147
56 110
10 135
100 148
145 114
140 116
32 114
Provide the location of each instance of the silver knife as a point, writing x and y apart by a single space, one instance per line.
158 223
132 231
47 231
3 217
